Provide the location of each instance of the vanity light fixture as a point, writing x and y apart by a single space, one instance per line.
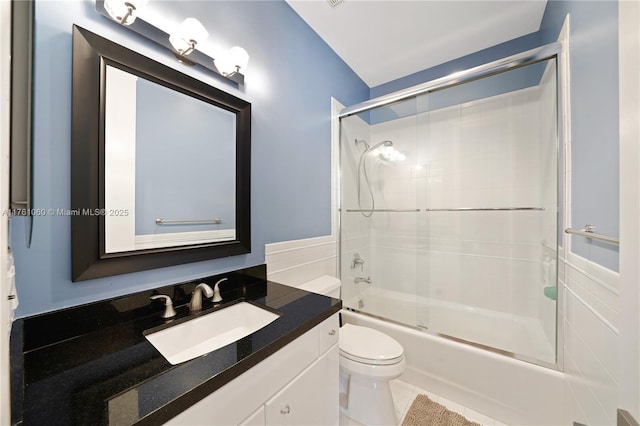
187 35
233 61
182 42
124 11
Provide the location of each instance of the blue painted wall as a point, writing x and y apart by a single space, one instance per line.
517 79
290 80
594 119
493 53
185 158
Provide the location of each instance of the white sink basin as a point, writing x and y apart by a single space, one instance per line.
207 333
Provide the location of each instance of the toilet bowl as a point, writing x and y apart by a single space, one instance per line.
369 359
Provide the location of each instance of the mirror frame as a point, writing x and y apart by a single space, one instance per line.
91 54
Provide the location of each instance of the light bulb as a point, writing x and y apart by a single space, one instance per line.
124 11
239 57
187 35
231 62
224 64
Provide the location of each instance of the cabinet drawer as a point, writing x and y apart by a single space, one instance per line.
328 333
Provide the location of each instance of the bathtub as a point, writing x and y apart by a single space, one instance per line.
505 332
511 391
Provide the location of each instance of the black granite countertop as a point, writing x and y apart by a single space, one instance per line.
92 364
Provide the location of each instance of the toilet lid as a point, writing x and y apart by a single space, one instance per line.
369 346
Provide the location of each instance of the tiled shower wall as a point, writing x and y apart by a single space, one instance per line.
488 153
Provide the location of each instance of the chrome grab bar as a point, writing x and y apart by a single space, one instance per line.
459 209
588 232
160 221
486 209
382 210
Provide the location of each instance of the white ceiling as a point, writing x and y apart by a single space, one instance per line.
385 40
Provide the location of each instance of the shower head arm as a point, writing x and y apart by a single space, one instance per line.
385 143
366 145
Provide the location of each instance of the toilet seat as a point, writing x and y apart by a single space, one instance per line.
368 346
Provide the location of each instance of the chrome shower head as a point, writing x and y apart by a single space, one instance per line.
385 143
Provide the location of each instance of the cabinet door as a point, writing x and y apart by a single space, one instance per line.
328 333
311 398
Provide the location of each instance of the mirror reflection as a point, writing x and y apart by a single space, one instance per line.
170 171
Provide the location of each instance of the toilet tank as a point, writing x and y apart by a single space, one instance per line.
326 285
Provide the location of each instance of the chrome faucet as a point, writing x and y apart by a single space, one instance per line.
358 280
195 304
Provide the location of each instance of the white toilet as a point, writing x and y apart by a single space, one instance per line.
369 359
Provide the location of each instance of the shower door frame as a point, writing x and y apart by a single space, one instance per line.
558 52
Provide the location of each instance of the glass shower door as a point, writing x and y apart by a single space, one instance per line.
492 210
449 211
379 213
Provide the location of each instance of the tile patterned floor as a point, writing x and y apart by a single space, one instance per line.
404 394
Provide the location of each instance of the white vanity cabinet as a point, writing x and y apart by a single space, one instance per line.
296 385
305 401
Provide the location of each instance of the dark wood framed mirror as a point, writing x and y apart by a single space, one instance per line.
160 164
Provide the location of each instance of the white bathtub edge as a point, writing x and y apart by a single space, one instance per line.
511 391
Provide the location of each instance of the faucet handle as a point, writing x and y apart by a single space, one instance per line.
169 312
357 260
216 291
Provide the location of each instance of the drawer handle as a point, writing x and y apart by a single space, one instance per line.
285 410
332 333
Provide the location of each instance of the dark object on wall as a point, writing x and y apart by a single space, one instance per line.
21 111
90 259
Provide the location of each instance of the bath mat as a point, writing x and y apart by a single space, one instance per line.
425 412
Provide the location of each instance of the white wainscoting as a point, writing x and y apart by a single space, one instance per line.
590 317
295 262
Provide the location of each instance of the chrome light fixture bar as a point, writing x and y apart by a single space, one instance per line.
182 42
